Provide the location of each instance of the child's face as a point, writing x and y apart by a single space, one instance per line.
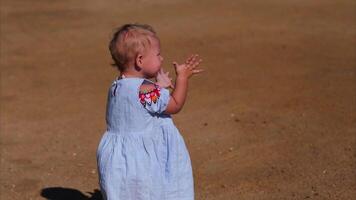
152 60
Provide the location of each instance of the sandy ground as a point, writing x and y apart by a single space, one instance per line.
272 117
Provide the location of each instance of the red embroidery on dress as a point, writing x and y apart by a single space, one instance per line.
150 96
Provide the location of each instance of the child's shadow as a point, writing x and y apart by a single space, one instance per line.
59 193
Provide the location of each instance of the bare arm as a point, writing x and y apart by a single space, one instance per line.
183 72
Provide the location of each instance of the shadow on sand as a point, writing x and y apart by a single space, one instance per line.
59 193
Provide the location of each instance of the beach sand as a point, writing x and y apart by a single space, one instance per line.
272 117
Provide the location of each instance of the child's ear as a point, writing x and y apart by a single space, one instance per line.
139 60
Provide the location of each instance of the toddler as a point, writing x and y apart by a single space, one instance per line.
142 155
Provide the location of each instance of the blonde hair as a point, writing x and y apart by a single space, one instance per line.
128 41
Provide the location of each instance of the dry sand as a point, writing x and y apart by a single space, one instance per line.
272 117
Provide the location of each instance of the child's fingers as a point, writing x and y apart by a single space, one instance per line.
196 71
193 59
189 59
195 64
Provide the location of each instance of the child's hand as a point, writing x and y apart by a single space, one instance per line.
188 68
163 79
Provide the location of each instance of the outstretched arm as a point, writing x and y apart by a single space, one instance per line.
183 72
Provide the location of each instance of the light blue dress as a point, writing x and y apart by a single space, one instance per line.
142 155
